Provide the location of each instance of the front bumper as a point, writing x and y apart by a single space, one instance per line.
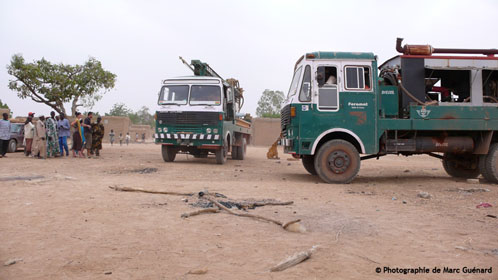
186 136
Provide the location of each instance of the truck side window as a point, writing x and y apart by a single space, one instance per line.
358 77
327 88
305 93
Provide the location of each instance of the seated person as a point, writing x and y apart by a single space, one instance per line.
332 80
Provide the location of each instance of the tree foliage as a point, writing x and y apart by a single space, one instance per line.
56 84
3 105
119 109
142 116
269 104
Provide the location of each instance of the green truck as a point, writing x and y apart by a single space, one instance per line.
343 108
199 115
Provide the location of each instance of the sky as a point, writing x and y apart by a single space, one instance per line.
256 42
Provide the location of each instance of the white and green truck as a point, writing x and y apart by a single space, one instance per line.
198 115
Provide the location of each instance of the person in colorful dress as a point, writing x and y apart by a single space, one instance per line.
77 136
97 136
52 138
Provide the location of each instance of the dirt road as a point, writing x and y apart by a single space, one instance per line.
65 222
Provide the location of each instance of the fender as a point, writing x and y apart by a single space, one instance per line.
227 134
337 130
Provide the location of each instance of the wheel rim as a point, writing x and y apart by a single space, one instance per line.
338 162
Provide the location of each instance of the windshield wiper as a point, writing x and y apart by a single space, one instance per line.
178 104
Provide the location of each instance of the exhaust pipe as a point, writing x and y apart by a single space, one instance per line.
429 50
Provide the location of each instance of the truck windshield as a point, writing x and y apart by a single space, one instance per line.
173 95
205 95
295 81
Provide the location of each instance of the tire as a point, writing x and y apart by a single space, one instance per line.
461 166
309 164
221 154
241 150
12 148
488 164
234 152
169 153
337 161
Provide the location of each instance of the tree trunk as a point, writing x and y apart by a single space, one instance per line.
75 105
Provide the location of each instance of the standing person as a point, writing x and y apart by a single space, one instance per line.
40 139
52 138
29 133
136 137
87 133
111 136
64 133
77 136
128 138
4 134
143 137
121 139
97 136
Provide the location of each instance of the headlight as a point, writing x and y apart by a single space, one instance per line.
159 129
165 129
208 130
215 131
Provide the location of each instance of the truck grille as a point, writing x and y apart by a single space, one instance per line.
285 118
189 118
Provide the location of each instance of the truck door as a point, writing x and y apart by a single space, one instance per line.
319 103
345 102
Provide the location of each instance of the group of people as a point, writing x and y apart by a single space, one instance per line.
127 138
48 136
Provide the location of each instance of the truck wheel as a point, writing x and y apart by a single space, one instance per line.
337 161
235 151
221 154
488 164
461 166
12 146
169 153
241 150
309 164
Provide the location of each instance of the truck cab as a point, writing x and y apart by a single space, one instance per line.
339 106
197 115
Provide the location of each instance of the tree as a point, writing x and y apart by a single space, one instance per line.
142 116
56 84
119 109
5 106
269 104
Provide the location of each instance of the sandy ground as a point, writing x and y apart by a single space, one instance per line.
70 225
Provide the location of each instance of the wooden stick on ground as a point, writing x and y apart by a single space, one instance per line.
128 189
202 211
222 207
293 260
257 203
